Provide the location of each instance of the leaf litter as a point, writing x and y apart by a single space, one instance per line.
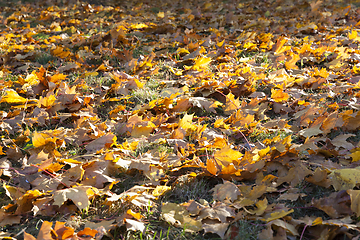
183 120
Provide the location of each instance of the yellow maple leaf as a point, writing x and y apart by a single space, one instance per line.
135 215
231 103
279 46
41 139
261 207
139 26
219 123
291 64
142 129
353 35
201 63
46 101
160 15
260 154
57 78
186 121
12 96
344 179
279 96
160 190
277 215
356 69
355 156
59 52
227 155
250 46
317 221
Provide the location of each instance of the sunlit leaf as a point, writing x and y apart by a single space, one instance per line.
227 155
160 190
201 63
279 96
13 97
278 214
79 195
87 232
344 179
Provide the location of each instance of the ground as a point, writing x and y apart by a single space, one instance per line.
179 119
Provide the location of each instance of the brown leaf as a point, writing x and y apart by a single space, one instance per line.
46 232
335 205
98 144
228 190
79 195
355 197
218 228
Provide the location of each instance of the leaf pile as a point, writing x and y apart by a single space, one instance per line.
258 100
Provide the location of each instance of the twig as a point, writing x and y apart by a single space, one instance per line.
10 168
52 175
245 140
303 231
237 108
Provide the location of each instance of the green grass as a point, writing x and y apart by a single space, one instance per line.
98 81
245 230
144 95
156 146
189 189
261 135
263 59
9 77
41 36
44 58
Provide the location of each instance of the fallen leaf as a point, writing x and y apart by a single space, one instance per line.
228 190
79 196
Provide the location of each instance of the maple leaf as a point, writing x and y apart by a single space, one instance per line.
160 190
279 95
45 230
179 216
278 214
12 97
218 228
134 225
291 64
227 154
344 179
104 141
79 195
227 190
354 195
285 225
335 205
201 63
231 103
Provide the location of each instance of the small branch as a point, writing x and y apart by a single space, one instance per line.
303 231
245 139
237 108
52 175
